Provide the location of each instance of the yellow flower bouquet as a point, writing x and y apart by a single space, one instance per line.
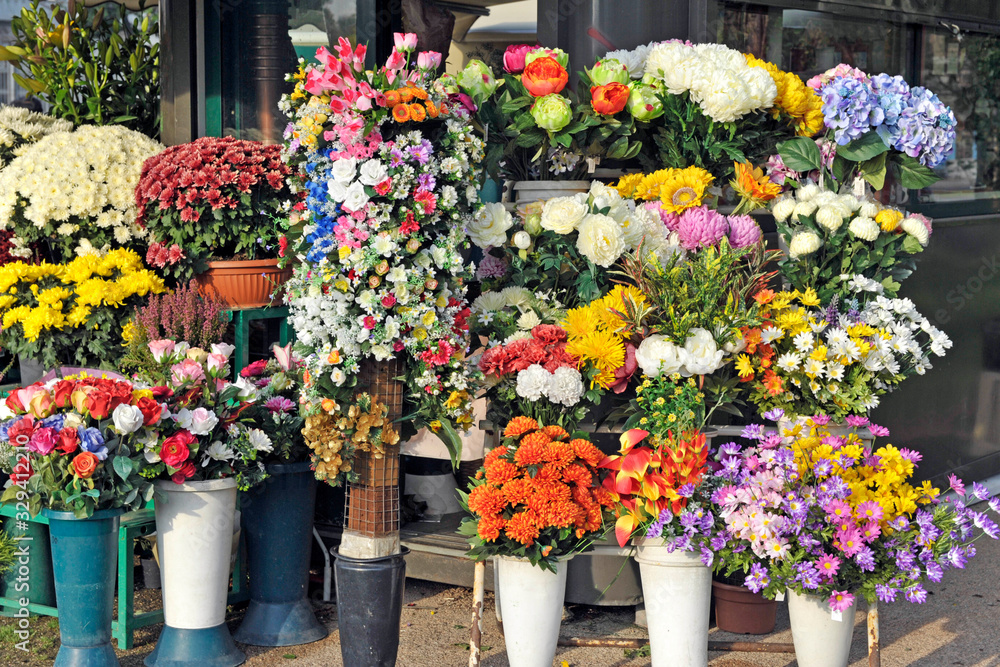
69 314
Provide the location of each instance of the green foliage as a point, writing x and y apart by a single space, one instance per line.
8 551
92 65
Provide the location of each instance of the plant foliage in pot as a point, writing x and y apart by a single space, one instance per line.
78 435
212 202
277 514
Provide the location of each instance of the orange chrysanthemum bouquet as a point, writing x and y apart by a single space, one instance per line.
538 496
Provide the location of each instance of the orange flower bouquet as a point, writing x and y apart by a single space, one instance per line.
538 496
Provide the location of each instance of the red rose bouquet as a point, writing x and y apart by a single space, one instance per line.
70 443
213 197
538 496
202 434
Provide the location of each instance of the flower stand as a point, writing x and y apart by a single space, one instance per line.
819 640
531 602
739 610
194 537
277 517
84 562
677 589
527 192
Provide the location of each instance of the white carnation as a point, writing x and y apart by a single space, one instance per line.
864 228
565 386
601 239
804 242
532 382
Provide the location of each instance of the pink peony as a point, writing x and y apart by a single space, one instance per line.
513 57
700 227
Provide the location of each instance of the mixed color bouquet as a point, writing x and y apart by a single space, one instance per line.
830 236
388 162
202 433
71 193
276 383
537 496
827 515
838 360
879 125
76 436
70 314
213 198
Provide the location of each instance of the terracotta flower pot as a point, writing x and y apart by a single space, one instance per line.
742 612
244 283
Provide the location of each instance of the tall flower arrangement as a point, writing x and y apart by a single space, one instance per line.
71 193
825 515
388 162
66 314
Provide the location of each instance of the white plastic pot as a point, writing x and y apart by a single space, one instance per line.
194 538
677 590
531 601
819 640
527 192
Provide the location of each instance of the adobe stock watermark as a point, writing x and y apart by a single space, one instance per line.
959 296
22 567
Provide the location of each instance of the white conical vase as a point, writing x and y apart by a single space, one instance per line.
819 640
194 536
531 601
677 590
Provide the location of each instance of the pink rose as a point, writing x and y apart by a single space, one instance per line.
188 370
161 349
217 363
43 441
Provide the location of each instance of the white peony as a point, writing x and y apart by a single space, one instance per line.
657 355
489 225
702 354
565 386
804 242
864 228
916 228
562 214
532 382
601 239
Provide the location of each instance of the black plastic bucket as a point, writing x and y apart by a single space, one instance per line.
369 604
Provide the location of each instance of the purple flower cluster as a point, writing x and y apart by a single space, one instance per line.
910 120
694 527
700 227
491 267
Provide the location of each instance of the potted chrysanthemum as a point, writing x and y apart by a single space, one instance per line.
536 502
215 207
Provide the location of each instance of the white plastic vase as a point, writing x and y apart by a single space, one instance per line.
527 192
819 640
531 602
677 590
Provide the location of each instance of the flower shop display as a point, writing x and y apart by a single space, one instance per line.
71 193
197 455
536 502
90 65
69 314
835 361
830 519
77 437
211 201
20 127
389 166
875 125
278 514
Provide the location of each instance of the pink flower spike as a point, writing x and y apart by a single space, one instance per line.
841 601
957 485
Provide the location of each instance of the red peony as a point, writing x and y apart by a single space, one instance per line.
184 473
174 451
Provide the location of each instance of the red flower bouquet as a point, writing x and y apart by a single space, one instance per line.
213 197
538 496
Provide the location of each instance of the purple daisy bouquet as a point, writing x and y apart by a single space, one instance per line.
879 124
273 386
835 516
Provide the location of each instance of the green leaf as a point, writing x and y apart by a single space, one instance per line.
123 466
863 148
912 245
913 175
874 171
800 154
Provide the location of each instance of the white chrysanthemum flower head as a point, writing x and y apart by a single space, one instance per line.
864 228
804 242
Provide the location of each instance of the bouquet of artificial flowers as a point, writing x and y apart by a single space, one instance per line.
276 383
74 437
829 516
537 496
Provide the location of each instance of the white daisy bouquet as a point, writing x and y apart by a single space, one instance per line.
829 235
71 193
839 359
389 167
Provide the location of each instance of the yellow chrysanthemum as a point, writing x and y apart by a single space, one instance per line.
579 322
627 184
605 349
794 98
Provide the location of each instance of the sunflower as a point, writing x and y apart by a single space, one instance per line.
684 189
